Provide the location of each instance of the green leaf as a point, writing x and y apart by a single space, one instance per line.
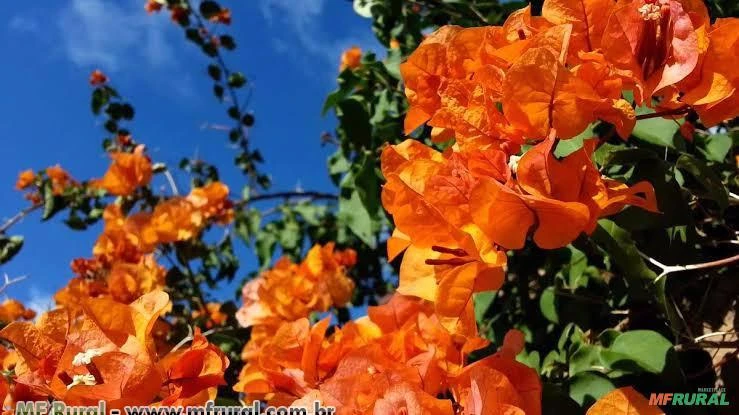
577 266
100 97
354 122
482 302
711 186
359 203
363 7
617 242
392 62
716 147
548 305
337 165
658 131
588 387
584 358
355 216
228 42
569 146
209 8
556 402
52 204
646 348
9 247
236 80
214 71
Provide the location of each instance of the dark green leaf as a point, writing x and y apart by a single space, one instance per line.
9 247
711 185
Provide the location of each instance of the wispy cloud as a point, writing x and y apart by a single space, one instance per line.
23 24
115 35
304 20
39 300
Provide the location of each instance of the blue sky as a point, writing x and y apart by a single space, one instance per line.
289 50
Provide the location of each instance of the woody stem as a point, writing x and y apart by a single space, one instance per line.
18 217
676 111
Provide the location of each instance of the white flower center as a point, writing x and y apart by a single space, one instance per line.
650 11
87 380
84 358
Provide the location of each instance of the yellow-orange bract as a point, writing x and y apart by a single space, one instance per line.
288 292
395 360
127 172
455 212
351 58
12 310
623 401
107 353
532 82
25 179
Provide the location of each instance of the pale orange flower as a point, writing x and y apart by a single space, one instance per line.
128 172
26 178
98 78
351 58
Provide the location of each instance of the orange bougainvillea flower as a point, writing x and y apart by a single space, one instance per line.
103 354
60 179
716 95
557 200
623 401
98 78
193 374
212 201
212 314
540 93
289 291
657 41
153 6
351 58
12 310
26 178
223 16
127 172
448 257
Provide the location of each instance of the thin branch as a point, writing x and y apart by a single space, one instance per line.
668 269
18 217
10 281
309 195
287 195
676 111
171 181
717 333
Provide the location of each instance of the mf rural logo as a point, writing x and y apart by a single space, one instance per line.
704 397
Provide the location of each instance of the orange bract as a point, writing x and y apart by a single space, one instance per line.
98 78
351 58
398 358
26 178
127 172
623 401
107 353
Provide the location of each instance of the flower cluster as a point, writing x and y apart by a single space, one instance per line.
57 178
107 353
288 292
396 360
502 85
507 95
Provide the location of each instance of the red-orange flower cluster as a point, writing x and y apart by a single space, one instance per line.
128 172
288 292
107 353
397 360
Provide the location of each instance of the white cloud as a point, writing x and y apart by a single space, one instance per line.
39 300
23 24
115 35
303 18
